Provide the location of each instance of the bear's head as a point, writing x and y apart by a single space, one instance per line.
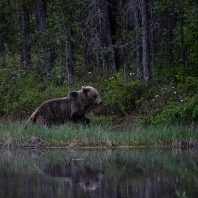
91 95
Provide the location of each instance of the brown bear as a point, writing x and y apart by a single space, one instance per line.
72 107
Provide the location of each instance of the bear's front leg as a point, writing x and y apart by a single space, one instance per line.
76 117
86 120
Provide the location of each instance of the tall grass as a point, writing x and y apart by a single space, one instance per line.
12 134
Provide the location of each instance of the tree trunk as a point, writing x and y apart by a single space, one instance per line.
145 41
181 17
97 37
152 43
2 52
26 56
106 34
171 28
114 26
138 44
69 60
40 12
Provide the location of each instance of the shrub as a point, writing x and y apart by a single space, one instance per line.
182 112
187 81
170 107
22 92
121 94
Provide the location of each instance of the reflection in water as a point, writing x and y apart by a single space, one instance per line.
75 174
98 173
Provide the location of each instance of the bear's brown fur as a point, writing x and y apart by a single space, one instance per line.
72 107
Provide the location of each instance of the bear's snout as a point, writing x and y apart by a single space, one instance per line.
99 102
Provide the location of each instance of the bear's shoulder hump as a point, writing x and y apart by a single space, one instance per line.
73 94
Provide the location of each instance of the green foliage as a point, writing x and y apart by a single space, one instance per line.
187 80
174 101
22 92
161 102
121 94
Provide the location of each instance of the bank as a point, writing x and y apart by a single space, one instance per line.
112 134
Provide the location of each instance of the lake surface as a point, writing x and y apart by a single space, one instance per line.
99 173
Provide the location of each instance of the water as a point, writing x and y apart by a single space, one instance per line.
99 173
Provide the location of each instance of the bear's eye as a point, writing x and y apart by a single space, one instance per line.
95 96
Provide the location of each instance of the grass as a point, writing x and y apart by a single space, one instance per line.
96 135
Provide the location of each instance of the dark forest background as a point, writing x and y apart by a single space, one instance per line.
141 55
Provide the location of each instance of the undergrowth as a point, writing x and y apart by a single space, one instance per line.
169 100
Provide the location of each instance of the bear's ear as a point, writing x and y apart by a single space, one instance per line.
85 89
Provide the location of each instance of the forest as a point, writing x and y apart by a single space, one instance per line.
141 55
